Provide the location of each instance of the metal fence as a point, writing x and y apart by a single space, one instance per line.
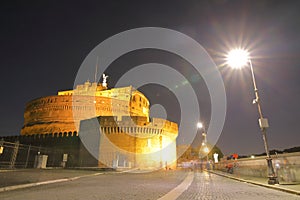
16 155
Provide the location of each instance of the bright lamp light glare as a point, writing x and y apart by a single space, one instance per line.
237 58
199 125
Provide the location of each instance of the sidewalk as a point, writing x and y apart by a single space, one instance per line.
293 188
22 178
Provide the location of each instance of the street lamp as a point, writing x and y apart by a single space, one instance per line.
204 142
237 59
199 125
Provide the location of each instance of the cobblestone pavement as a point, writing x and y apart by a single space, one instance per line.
25 176
206 186
111 186
292 187
147 186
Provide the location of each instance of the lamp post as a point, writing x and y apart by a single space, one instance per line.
239 58
204 142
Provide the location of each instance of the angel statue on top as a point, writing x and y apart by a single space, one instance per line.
104 82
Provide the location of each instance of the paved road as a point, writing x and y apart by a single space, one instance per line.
206 186
155 185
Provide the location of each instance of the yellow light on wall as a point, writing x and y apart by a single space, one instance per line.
206 149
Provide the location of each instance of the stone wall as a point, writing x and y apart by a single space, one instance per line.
62 113
107 141
53 145
131 142
287 166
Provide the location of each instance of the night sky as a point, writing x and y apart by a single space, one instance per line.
43 44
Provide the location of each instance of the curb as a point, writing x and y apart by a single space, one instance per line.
257 183
22 186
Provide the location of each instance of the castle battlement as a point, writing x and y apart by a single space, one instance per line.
133 126
138 141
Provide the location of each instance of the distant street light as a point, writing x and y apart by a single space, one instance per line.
237 59
199 125
204 141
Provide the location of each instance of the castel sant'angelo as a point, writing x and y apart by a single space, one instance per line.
113 124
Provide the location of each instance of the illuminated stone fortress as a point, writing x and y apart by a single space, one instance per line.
125 135
54 114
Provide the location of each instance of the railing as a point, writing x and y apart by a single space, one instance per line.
286 166
16 155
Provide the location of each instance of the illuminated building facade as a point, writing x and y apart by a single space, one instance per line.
124 136
55 114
